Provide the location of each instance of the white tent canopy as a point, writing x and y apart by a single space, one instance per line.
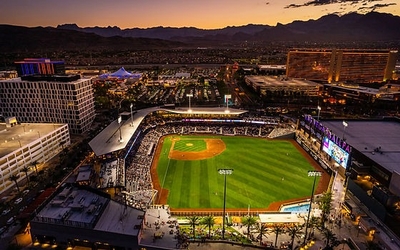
121 73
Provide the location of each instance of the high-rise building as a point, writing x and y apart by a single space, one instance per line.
49 98
341 65
39 66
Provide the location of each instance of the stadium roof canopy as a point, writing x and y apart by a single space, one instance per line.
366 136
108 140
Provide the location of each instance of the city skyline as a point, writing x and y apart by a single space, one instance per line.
206 14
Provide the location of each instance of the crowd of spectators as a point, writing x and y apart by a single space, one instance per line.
138 185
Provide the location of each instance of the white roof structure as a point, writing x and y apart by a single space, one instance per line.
121 73
108 140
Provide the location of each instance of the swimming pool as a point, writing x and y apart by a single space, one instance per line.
296 208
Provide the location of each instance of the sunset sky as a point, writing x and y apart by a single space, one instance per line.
207 14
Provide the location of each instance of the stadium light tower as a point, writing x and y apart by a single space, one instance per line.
131 114
225 172
119 127
189 95
315 174
345 124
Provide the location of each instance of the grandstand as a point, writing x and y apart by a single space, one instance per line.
129 160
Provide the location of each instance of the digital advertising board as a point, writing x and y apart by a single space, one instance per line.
336 152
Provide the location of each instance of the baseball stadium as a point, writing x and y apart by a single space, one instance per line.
174 157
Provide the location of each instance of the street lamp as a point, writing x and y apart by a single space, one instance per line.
189 95
315 174
224 172
319 110
344 128
131 113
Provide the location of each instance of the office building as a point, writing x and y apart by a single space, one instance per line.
47 98
341 65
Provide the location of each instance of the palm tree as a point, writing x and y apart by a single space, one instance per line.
371 245
25 169
325 206
34 164
209 221
314 222
249 221
193 221
261 230
329 237
294 231
15 178
278 229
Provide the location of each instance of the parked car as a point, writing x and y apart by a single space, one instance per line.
25 192
11 220
17 201
5 211
22 209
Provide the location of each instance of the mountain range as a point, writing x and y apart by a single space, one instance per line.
353 28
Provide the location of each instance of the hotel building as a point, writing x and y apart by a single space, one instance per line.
47 98
344 65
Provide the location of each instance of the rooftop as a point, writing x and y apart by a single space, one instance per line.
360 89
273 81
366 136
87 208
108 140
50 78
13 138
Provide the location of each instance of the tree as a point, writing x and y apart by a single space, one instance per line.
25 169
209 221
314 223
34 164
278 229
15 178
371 245
193 221
261 230
249 221
329 237
294 231
325 206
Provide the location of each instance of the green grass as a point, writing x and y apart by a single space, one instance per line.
264 172
190 145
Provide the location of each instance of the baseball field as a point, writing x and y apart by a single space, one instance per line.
264 172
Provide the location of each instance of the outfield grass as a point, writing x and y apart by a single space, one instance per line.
264 171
